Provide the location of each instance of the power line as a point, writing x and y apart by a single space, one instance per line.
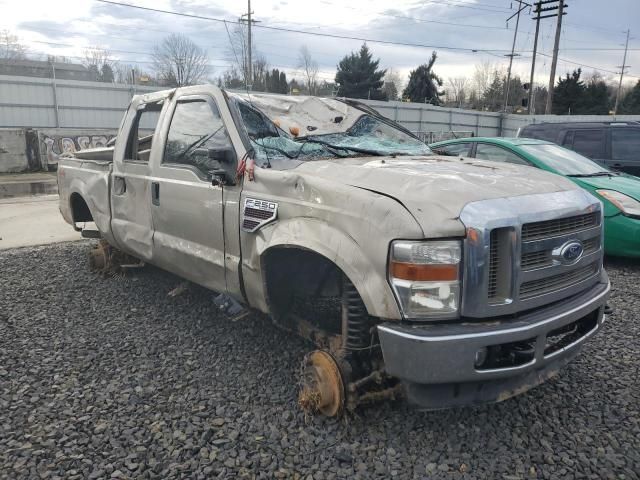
304 32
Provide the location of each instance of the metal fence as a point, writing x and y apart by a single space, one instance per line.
46 103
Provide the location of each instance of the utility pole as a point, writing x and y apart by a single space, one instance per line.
513 47
538 11
623 68
249 60
554 62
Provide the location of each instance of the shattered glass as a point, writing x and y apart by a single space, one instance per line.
367 136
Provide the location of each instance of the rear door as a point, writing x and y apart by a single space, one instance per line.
625 149
131 221
590 142
187 206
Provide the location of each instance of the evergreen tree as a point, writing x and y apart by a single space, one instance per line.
358 76
596 98
631 101
569 94
423 84
283 85
106 73
494 95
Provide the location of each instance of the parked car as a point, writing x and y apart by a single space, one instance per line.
397 264
614 144
619 192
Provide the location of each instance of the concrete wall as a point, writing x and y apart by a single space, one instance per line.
55 141
15 152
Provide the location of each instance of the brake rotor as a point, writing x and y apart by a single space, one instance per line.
323 388
99 257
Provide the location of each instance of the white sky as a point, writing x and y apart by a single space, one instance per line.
592 34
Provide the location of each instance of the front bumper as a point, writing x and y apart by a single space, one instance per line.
437 362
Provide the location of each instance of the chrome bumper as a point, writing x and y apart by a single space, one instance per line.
445 354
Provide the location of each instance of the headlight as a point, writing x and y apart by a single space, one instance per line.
425 277
628 205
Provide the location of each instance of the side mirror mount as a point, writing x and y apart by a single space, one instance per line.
225 156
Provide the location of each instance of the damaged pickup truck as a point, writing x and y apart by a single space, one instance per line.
450 281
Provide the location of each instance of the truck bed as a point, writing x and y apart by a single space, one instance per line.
84 179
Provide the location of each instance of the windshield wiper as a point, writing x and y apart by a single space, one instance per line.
594 174
345 148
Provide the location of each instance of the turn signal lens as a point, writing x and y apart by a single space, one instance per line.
424 273
425 277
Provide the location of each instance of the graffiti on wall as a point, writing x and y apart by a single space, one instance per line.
54 146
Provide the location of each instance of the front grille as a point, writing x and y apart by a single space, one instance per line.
533 260
554 283
559 226
542 258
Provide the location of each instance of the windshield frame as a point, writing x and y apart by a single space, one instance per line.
536 151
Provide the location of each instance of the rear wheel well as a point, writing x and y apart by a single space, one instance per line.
79 209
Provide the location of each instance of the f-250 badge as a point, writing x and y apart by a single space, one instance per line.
257 213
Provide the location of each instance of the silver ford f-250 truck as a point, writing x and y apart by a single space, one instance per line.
452 281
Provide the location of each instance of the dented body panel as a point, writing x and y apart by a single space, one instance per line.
325 182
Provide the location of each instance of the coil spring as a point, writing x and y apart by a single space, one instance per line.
357 319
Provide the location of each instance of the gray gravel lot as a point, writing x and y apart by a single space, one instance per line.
111 378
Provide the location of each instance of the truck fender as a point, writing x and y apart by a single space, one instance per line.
94 190
319 237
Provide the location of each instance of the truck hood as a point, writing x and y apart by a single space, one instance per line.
435 189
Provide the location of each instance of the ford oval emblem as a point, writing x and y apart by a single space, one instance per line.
569 253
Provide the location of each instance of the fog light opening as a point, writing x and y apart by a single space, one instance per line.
481 357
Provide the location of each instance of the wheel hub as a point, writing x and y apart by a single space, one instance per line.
322 388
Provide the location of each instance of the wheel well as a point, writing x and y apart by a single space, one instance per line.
305 284
79 209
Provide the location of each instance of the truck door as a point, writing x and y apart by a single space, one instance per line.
188 207
131 184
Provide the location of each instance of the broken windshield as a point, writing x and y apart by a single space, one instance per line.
367 135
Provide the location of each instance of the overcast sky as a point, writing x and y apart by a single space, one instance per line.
592 35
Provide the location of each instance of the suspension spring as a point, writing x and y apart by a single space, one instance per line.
356 324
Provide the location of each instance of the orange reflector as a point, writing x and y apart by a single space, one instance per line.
424 273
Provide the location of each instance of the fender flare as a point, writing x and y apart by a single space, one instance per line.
337 246
101 216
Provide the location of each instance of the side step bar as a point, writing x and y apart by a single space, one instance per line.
90 234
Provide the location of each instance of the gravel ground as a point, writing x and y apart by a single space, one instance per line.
111 378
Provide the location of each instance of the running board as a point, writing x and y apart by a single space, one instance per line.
90 234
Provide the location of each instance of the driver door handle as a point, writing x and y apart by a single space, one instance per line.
155 193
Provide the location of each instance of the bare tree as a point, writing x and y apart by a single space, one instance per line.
458 90
10 47
483 75
100 63
393 84
309 68
178 61
238 51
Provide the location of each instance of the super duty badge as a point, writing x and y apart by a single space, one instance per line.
257 213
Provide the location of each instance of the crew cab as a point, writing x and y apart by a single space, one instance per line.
449 281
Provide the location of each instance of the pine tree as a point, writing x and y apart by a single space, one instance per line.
569 94
423 84
358 76
283 85
631 101
596 98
